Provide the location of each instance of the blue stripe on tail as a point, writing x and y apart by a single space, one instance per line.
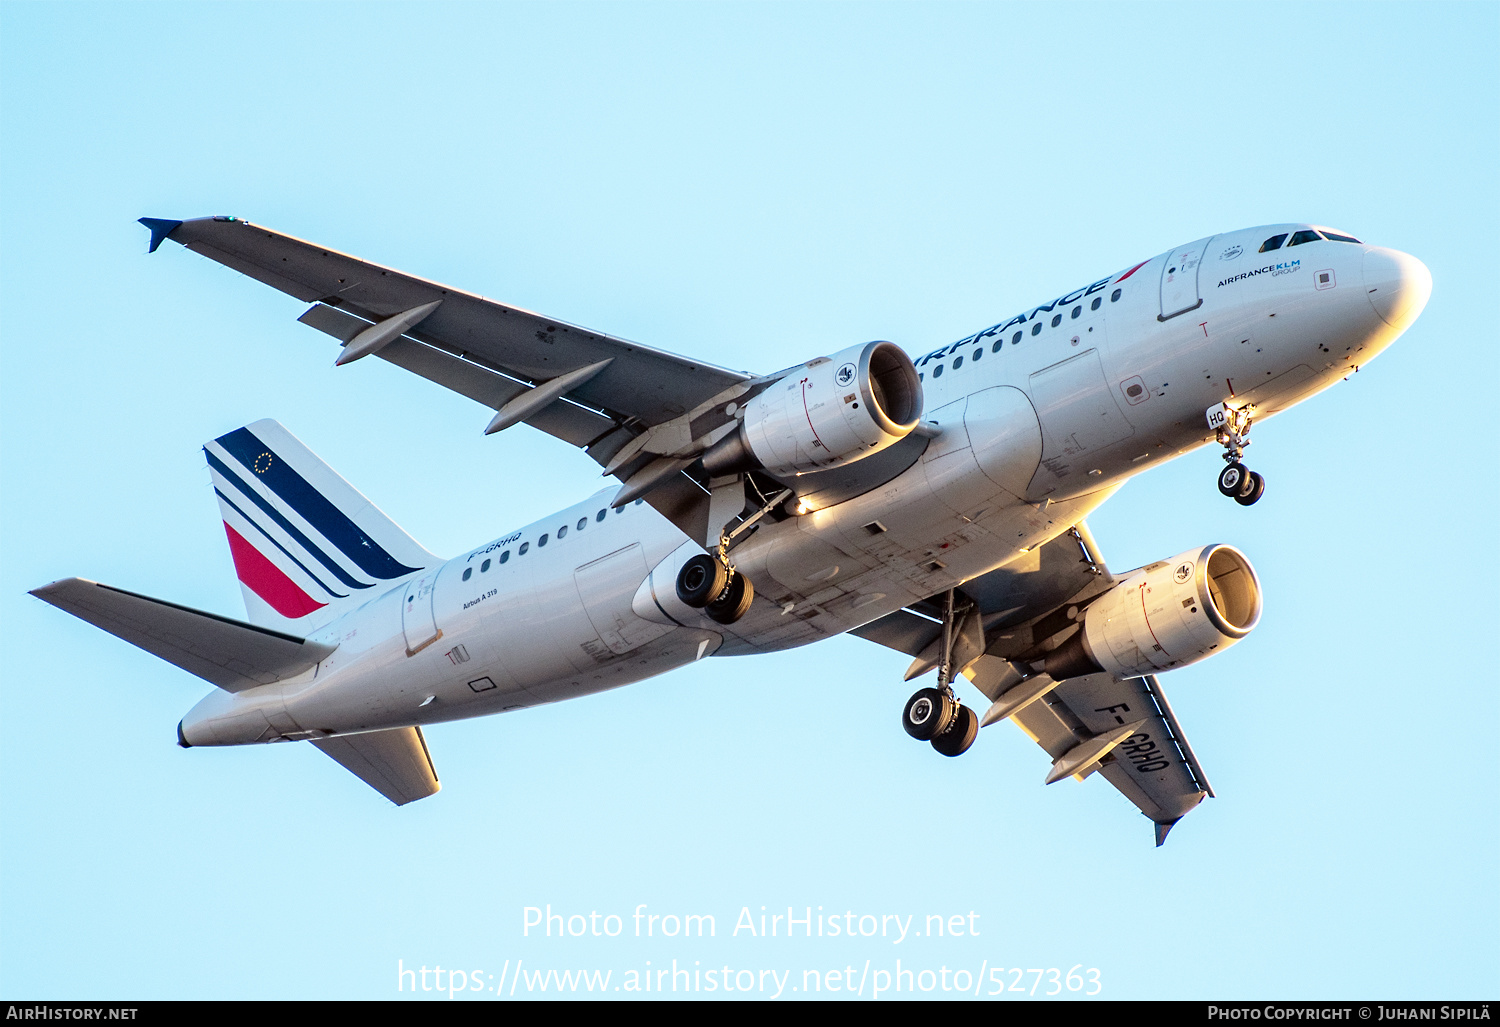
286 525
256 525
281 478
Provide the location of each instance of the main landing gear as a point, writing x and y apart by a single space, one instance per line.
711 584
934 714
1237 481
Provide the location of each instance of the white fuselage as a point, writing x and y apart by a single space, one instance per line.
1042 418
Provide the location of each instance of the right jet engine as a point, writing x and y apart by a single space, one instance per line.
1165 615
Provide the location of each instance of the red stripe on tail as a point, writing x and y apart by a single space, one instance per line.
266 580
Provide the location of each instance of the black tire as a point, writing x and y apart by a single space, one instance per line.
1233 479
701 580
735 601
927 714
960 734
1256 490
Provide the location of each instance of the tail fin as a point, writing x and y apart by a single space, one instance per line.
307 546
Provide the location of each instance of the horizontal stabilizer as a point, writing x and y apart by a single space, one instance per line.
228 653
395 762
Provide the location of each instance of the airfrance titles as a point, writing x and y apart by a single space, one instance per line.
1284 268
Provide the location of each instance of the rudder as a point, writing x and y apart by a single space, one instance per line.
307 545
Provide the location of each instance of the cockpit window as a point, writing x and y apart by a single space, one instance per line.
1340 238
1306 235
1273 243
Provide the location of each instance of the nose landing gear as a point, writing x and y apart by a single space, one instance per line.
934 714
1237 481
1242 485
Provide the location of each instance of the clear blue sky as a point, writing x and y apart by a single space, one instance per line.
752 185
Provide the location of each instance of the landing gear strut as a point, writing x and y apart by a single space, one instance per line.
934 714
1237 481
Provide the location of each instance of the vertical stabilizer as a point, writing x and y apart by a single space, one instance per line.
307 546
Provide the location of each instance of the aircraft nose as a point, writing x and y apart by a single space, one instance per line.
1397 285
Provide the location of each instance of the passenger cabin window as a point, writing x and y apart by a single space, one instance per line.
505 556
1056 320
1036 329
1335 237
1076 311
582 523
937 372
1014 339
1114 297
996 347
958 362
484 567
1273 243
524 546
1306 235
1097 300
600 516
978 353
562 532
468 573
541 542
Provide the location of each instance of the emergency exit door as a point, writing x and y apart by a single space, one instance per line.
1179 279
417 618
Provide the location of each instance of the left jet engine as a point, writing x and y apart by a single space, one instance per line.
830 411
1165 615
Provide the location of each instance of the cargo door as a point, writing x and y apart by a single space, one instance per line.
417 619
1179 279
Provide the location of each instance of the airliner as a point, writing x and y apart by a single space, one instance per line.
935 505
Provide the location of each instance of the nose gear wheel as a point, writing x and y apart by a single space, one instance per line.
1237 481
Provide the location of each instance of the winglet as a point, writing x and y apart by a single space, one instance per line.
160 229
1162 829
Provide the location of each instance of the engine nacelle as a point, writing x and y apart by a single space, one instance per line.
830 411
1164 616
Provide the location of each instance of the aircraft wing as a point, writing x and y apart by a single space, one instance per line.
1023 610
592 390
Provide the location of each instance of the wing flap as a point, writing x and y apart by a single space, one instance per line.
394 762
1153 762
903 631
228 653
